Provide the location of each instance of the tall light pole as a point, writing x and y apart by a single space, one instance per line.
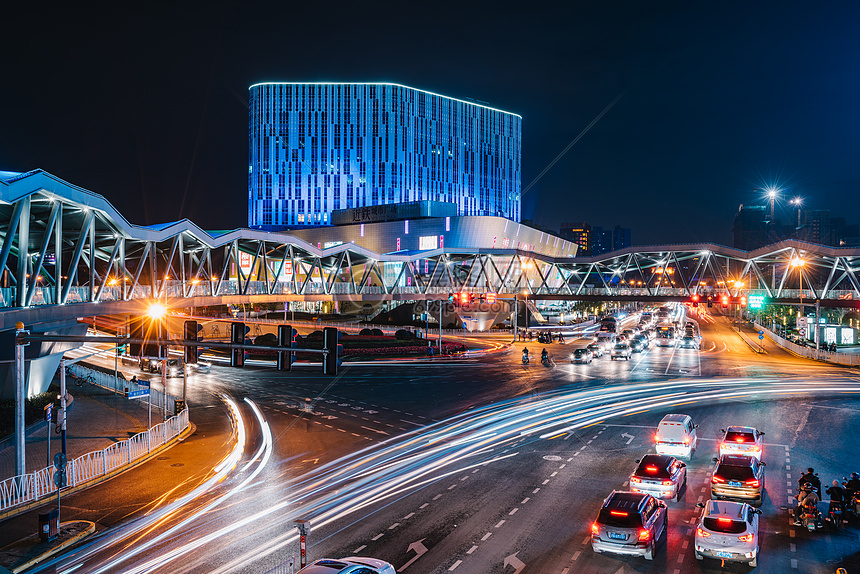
797 202
772 196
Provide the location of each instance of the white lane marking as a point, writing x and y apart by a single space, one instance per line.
576 555
535 491
685 544
502 521
408 516
437 497
393 526
587 539
793 563
589 442
792 548
376 430
788 467
526 499
553 474
583 447
594 437
512 512
562 466
472 549
487 535
359 549
570 459
476 470
378 536
791 533
454 565
452 487
576 453
680 558
423 506
464 478
544 482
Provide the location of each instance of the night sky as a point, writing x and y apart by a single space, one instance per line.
147 105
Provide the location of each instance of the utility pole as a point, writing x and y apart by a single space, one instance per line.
20 397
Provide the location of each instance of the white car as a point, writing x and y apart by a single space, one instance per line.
351 565
742 440
728 531
621 351
660 475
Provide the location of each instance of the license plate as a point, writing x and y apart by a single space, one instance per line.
722 554
617 536
734 483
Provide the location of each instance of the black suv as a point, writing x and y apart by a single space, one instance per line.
629 523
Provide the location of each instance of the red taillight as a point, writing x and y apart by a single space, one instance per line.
686 441
667 483
595 529
651 468
753 483
617 513
746 538
740 439
644 534
755 449
635 480
724 520
717 479
702 533
723 445
656 438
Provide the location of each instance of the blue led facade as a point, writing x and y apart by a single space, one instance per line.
315 148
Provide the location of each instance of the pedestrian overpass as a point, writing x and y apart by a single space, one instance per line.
67 252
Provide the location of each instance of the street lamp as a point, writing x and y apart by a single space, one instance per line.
797 202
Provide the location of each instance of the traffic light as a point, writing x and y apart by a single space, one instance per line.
150 330
332 360
465 298
695 300
710 300
724 301
743 300
237 337
192 334
286 338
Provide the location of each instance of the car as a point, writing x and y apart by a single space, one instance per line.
352 565
689 342
596 350
621 351
738 477
660 475
742 440
727 531
581 356
629 523
641 341
677 436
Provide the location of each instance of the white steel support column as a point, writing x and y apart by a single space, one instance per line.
20 398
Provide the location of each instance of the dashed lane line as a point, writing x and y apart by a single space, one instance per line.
454 565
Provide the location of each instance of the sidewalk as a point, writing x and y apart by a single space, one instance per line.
97 419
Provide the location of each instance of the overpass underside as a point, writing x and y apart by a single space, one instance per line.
66 252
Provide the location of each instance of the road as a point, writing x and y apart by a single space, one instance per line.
479 465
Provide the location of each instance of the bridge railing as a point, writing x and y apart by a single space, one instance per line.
836 358
19 490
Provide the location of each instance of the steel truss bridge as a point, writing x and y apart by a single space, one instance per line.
67 252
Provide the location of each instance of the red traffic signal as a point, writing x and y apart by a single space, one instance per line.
695 300
724 300
743 300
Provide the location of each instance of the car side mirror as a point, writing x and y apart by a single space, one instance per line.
761 433
683 465
695 426
722 430
756 510
715 459
700 505
763 463
638 461
662 504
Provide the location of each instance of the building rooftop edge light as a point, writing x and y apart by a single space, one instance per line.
380 84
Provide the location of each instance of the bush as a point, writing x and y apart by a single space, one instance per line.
404 335
267 340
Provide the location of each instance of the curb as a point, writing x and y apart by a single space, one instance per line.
59 547
751 345
189 430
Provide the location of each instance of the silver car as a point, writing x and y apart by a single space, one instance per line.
660 475
352 565
629 523
728 531
621 351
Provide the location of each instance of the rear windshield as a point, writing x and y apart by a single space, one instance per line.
651 470
620 346
726 525
729 472
738 436
579 352
620 518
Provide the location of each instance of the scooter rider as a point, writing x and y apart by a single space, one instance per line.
525 354
811 478
852 486
805 498
544 355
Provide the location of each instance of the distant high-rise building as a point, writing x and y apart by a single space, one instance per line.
595 240
319 147
750 227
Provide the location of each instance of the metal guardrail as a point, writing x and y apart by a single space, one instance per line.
837 358
29 487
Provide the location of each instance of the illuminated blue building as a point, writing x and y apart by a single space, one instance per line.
315 148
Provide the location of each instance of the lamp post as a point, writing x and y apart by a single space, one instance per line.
797 202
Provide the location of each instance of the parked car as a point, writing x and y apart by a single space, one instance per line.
738 477
727 531
629 523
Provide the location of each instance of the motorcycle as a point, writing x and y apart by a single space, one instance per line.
525 359
544 359
810 517
835 514
852 506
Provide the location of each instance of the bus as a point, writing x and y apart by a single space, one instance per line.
665 336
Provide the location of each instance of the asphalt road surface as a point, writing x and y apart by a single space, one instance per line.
475 465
